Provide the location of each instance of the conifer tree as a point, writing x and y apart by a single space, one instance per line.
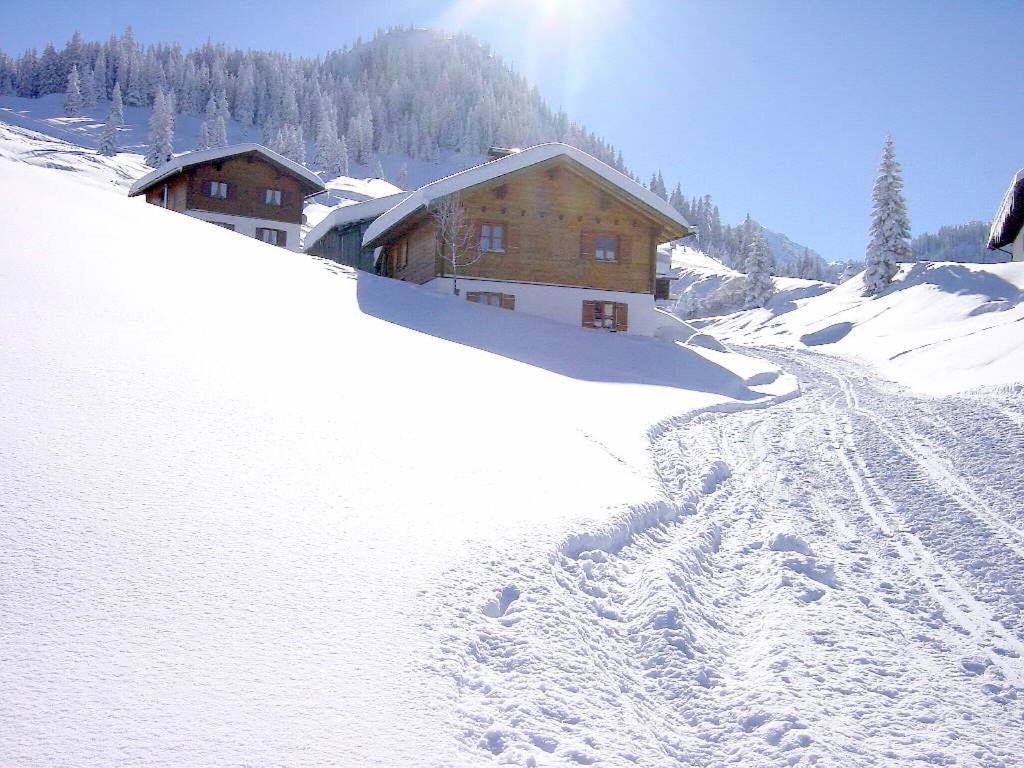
402 181
890 227
378 169
343 157
203 140
161 132
73 95
116 104
108 139
220 133
757 287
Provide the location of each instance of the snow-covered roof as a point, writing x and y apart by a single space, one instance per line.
198 157
349 212
480 174
1010 217
361 189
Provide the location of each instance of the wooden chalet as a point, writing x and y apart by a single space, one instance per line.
246 188
554 232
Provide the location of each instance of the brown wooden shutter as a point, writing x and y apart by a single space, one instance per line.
508 301
473 296
588 313
587 246
259 233
205 188
232 192
621 316
282 238
622 248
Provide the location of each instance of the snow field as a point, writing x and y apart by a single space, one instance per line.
237 481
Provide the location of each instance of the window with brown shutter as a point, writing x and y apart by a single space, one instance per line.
604 247
491 237
492 299
272 236
218 189
609 315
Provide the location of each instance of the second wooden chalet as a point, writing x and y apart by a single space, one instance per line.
246 188
550 231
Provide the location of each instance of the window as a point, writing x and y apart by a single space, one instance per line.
492 299
492 238
604 248
272 236
272 196
609 315
218 189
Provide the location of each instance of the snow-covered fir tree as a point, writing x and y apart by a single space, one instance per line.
73 95
757 287
219 137
117 104
89 98
161 132
203 139
108 139
890 227
343 157
378 169
852 269
402 180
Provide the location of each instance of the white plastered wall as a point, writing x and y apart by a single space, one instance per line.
247 226
558 302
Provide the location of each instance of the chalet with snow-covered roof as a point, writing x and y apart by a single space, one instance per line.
549 230
338 236
246 188
1008 225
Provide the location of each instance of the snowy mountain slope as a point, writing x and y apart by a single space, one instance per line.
237 482
45 115
941 327
702 286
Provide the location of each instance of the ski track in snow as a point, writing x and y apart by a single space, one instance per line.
836 580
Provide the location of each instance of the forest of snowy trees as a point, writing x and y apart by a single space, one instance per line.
963 242
410 92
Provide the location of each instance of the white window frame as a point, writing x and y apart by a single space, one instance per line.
272 197
219 190
492 238
605 248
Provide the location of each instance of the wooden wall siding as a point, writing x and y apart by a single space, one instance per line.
247 179
423 260
177 193
547 212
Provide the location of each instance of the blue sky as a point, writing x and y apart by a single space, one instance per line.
778 108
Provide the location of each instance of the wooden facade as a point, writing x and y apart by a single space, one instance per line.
247 178
552 217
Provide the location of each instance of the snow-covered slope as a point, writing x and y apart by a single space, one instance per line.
236 482
702 286
941 327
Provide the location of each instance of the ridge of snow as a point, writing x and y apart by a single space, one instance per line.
502 166
188 159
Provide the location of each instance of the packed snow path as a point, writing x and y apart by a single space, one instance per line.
843 585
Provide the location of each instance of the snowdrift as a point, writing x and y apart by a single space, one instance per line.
235 477
940 327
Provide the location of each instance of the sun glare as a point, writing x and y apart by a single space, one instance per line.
565 36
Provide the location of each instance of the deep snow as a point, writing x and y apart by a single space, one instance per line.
237 480
939 328
258 510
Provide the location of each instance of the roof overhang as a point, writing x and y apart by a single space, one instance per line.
353 213
1009 219
672 223
312 184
